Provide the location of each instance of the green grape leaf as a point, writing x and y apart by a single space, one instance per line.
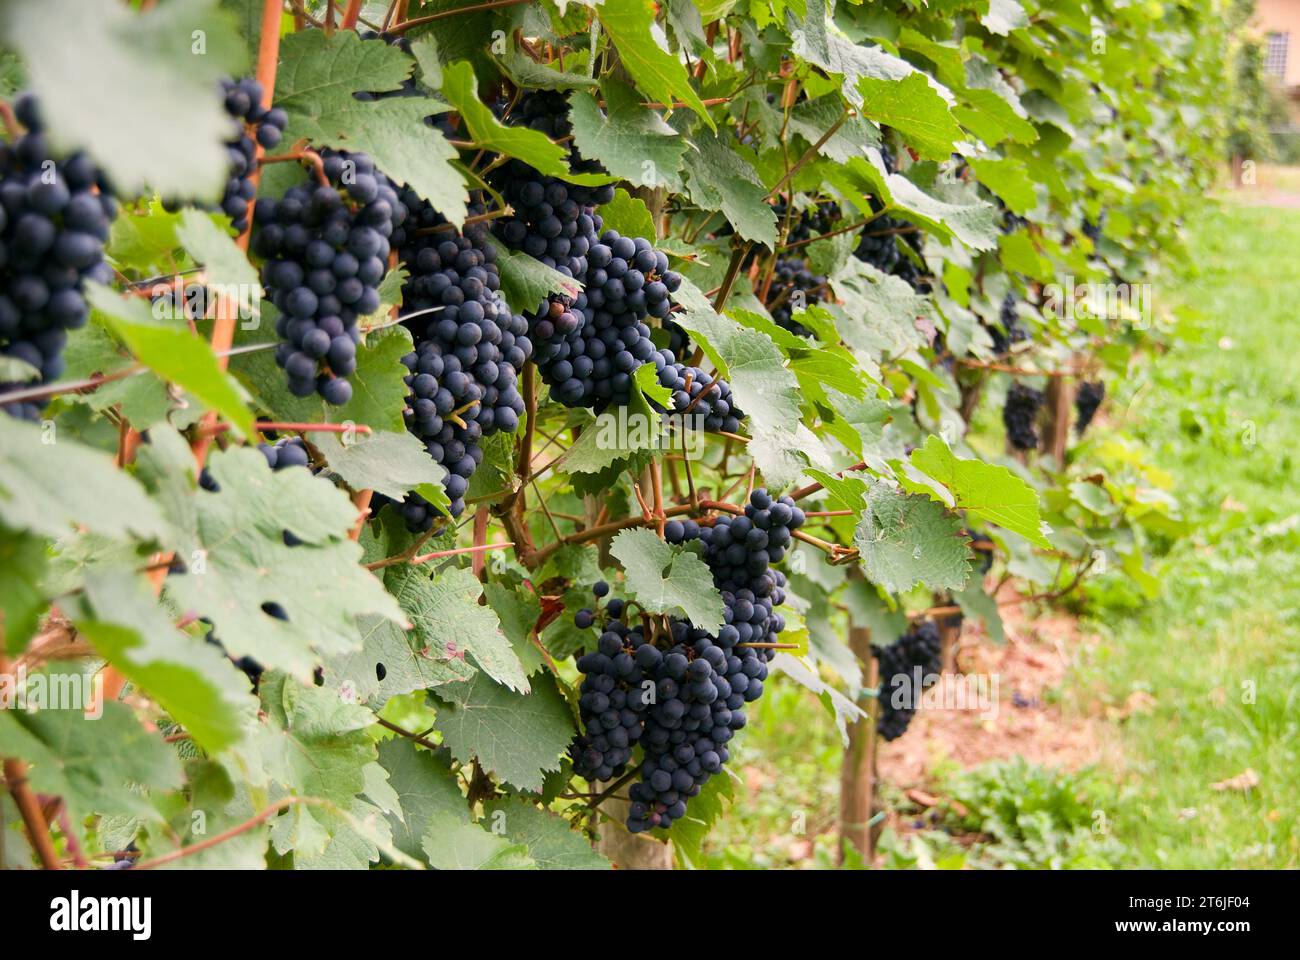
982 489
389 463
633 142
657 73
529 145
449 621
194 681
913 107
615 436
95 764
838 55
812 118
378 389
978 605
49 485
315 83
516 737
23 565
13 370
527 282
314 744
226 270
767 392
238 562
628 215
158 69
719 178
519 610
407 665
690 832
145 400
668 579
1004 16
450 844
549 840
174 352
841 708
528 73
1008 180
905 539
425 788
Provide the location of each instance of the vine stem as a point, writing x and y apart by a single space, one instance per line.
314 158
814 487
608 791
403 732
477 548
809 154
10 121
263 426
442 15
38 831
351 14
254 821
223 330
1019 371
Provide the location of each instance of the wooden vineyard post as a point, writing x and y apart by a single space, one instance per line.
1060 398
858 772
949 634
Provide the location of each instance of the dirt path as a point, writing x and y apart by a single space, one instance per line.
1023 720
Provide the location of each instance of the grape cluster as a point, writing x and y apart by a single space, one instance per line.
698 394
878 242
681 692
1009 330
919 647
469 350
243 101
1086 401
587 347
54 221
326 250
794 285
1019 413
810 223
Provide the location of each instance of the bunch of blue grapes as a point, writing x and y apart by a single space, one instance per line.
243 101
469 350
921 648
54 221
878 242
1086 401
1009 329
680 692
794 287
1019 413
552 220
810 223
588 347
326 250
258 126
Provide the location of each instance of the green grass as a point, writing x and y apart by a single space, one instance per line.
1223 415
1220 412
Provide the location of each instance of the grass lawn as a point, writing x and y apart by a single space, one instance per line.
1201 686
1219 653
